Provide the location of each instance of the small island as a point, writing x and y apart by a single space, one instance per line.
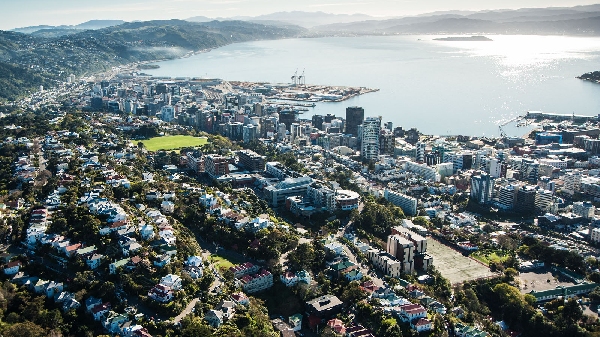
464 38
593 76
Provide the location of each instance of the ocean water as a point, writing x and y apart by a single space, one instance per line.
439 87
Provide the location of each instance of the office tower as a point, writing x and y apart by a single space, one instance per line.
354 117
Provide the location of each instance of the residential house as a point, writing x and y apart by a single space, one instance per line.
257 282
167 206
240 298
214 318
295 322
91 302
354 275
421 324
324 306
463 330
116 265
410 312
53 288
12 268
227 308
94 260
337 326
171 281
243 269
291 279
147 232
162 260
161 293
100 310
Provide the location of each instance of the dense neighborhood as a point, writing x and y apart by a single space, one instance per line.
140 206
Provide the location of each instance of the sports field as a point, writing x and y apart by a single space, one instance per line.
453 265
173 142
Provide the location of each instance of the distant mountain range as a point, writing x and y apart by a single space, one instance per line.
55 31
579 20
296 18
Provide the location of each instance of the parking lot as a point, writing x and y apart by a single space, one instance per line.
538 280
454 265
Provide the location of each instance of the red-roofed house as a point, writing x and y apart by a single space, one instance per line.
337 326
12 268
257 282
99 310
421 324
410 312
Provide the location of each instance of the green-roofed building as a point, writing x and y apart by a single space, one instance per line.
115 265
463 330
87 250
343 267
565 292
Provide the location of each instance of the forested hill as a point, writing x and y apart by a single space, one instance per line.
49 59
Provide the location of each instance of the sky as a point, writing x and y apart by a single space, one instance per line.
25 13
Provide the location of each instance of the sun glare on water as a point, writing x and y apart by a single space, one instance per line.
525 51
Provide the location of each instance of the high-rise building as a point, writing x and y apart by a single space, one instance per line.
525 199
216 165
251 160
420 158
354 117
543 200
402 249
250 132
506 196
481 188
370 138
287 117
387 142
317 122
167 113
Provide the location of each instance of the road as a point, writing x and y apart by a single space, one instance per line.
216 283
350 254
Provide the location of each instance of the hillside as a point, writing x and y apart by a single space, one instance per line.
90 51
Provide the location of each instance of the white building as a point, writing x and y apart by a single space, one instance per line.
408 204
371 128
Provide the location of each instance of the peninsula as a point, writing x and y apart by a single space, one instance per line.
464 38
593 76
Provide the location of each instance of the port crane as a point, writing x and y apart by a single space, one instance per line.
295 77
302 79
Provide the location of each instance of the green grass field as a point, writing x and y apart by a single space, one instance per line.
220 262
487 257
173 142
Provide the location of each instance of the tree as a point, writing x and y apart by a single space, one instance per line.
25 329
353 293
302 257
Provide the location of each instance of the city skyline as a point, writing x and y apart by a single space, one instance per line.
64 12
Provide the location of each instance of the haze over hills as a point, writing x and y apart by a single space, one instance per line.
36 60
297 18
92 24
579 20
